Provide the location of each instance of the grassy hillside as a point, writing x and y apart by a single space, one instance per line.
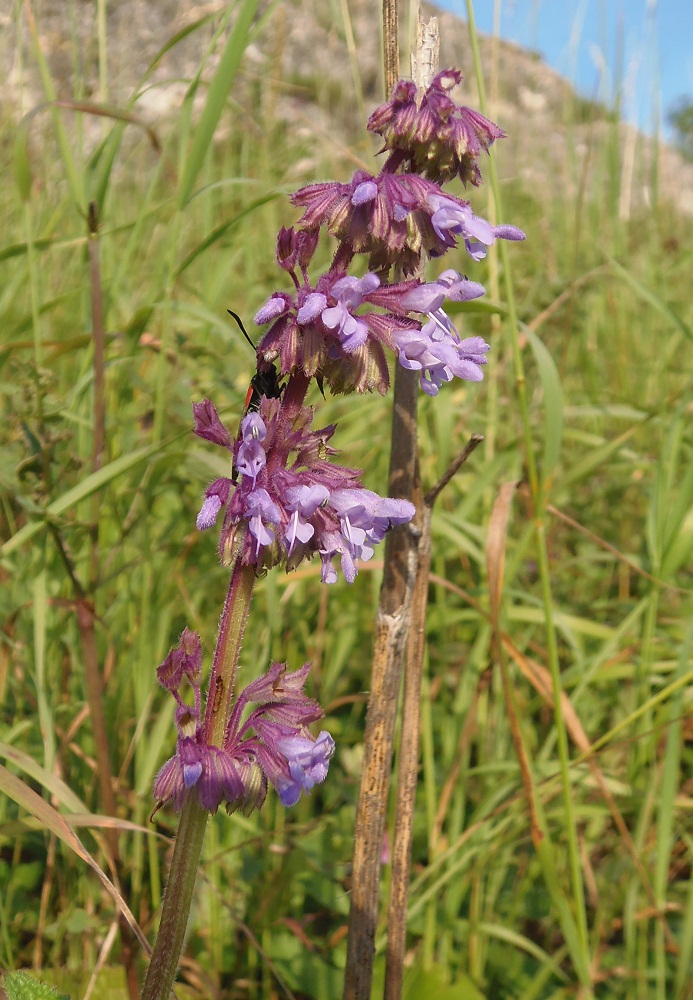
604 335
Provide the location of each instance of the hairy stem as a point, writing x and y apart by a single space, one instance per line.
177 900
228 648
188 847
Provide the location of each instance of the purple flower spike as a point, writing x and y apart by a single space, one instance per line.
273 746
293 501
435 137
369 214
335 332
183 661
392 217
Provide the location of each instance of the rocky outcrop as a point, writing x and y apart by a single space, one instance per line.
310 67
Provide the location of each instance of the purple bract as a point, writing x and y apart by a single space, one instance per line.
272 746
290 502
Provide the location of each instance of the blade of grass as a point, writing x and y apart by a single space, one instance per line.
683 966
669 780
45 715
221 230
540 831
647 295
217 95
74 178
80 492
51 820
553 405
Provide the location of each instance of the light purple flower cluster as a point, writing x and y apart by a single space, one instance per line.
339 328
284 500
342 326
271 746
394 217
435 137
289 503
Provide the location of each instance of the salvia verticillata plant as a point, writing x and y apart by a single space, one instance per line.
285 499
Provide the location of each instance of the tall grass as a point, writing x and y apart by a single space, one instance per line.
590 888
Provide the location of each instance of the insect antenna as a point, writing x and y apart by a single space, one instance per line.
242 328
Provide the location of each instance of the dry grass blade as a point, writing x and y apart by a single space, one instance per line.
51 819
613 550
495 548
540 679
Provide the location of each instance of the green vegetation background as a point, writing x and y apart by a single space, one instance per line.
186 228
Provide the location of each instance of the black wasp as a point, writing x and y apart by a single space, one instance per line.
263 383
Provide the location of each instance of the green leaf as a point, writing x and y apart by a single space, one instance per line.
78 921
20 249
80 492
647 295
553 402
22 168
21 986
484 307
422 984
220 230
219 89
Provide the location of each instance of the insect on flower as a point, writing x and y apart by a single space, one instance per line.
263 383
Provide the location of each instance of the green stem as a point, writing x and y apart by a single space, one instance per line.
193 821
162 377
35 318
645 748
177 900
231 629
563 755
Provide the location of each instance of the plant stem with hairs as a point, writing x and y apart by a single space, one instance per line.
193 822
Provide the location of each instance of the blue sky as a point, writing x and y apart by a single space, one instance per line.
584 40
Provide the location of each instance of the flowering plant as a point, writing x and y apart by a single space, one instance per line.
285 499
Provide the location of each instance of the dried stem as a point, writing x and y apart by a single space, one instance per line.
408 765
391 631
407 771
391 634
390 45
99 410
